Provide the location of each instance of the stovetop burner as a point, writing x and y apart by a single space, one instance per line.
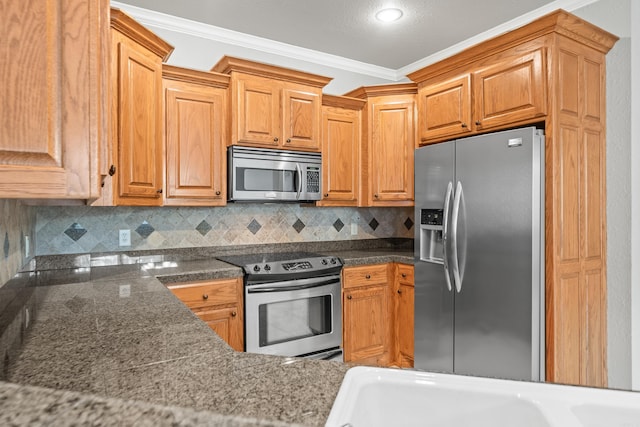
266 267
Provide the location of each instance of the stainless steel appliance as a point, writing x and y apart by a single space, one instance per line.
479 255
292 304
260 174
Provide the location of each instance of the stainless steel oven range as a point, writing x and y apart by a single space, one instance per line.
292 304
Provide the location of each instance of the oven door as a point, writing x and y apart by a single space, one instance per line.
293 318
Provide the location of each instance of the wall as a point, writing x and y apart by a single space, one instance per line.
635 195
16 222
82 229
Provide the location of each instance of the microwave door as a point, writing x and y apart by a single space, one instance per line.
265 180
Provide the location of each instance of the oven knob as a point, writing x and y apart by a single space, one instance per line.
267 267
324 262
256 268
333 260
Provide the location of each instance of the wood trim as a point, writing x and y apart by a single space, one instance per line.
230 64
189 75
343 102
383 90
131 28
560 22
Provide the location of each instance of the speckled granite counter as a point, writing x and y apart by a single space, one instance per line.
109 327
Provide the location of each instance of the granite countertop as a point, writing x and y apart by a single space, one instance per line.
116 331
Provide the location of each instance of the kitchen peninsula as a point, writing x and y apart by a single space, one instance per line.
106 325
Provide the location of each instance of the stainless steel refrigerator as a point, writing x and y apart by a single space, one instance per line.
479 255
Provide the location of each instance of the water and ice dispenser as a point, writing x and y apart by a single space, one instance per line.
431 229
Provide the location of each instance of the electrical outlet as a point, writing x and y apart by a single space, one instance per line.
124 291
124 237
27 248
354 228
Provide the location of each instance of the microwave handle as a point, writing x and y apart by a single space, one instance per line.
299 172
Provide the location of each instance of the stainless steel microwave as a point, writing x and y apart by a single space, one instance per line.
263 175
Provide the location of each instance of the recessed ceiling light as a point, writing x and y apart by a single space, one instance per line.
389 15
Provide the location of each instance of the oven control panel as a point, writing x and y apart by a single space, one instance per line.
298 265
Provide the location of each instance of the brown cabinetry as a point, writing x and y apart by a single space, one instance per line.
219 303
195 105
53 100
341 117
552 70
404 314
273 107
388 144
136 152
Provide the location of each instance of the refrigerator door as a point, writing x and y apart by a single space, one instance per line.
498 253
434 173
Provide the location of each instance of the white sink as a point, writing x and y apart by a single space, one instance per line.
391 397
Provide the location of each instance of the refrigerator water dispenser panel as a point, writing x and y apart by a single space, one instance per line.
431 245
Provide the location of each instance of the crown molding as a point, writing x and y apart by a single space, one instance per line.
223 35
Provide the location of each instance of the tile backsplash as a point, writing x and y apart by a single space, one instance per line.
16 222
82 229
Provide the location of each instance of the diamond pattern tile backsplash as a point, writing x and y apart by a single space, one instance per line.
16 222
82 229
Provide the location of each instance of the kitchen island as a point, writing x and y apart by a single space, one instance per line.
104 341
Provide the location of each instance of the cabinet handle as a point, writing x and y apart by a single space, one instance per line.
478 123
349 297
288 139
234 314
464 125
218 193
276 139
205 296
159 191
112 170
368 276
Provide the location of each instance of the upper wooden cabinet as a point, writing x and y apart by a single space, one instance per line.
195 104
136 93
551 71
53 100
273 107
500 91
388 144
341 118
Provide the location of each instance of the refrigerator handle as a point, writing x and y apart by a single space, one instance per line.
445 234
454 237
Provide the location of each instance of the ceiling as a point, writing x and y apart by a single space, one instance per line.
348 28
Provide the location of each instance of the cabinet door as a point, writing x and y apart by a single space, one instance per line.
510 90
195 145
52 98
139 130
340 156
301 112
445 109
404 318
227 323
392 145
257 120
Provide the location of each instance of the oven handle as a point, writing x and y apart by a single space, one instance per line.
293 285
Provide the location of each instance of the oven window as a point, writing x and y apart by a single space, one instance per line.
252 179
294 319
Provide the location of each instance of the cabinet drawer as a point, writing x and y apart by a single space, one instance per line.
364 276
204 294
405 273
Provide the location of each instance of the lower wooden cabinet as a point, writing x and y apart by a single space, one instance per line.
219 303
378 314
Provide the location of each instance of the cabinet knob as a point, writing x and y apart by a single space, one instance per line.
217 192
368 276
464 125
399 291
375 195
478 123
234 314
205 296
288 139
326 194
349 297
404 275
159 191
276 139
112 170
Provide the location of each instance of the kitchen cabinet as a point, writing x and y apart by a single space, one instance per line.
273 107
136 92
53 98
195 105
341 118
550 72
404 314
367 309
388 144
219 303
